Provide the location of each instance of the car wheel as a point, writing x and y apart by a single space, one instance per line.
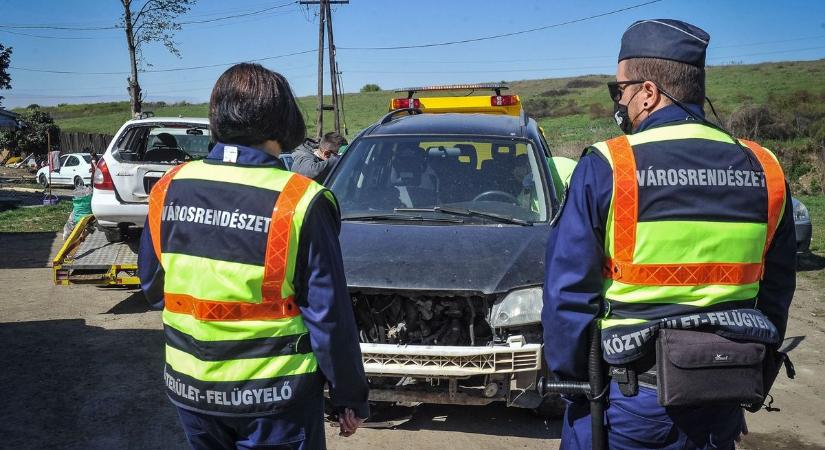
112 234
78 183
43 180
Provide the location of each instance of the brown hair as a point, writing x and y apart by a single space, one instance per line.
683 81
251 104
332 139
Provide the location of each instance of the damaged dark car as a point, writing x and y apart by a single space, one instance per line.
445 223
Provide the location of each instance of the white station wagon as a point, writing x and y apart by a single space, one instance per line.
141 152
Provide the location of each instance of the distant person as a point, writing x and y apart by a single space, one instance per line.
316 163
243 255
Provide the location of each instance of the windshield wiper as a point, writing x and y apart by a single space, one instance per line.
399 217
469 213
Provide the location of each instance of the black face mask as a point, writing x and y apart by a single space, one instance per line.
622 117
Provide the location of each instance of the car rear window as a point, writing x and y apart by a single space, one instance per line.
87 158
164 143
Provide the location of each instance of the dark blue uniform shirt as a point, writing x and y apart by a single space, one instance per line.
575 251
320 285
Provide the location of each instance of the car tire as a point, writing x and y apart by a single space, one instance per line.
78 183
112 234
43 180
551 407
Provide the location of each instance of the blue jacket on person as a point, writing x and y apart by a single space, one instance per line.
324 301
572 295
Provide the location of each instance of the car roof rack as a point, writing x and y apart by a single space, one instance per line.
497 87
391 115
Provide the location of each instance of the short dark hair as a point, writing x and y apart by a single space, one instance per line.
683 81
333 139
251 104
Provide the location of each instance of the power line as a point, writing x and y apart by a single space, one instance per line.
55 37
54 27
497 36
188 25
260 11
116 27
174 69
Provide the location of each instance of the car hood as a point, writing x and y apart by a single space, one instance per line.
483 259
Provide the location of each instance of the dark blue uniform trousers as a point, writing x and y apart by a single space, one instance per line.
302 428
639 423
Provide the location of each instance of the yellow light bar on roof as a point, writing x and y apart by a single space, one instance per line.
496 104
454 87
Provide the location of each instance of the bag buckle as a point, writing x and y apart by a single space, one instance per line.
627 380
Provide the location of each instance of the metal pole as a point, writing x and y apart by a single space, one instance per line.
319 118
597 402
594 388
49 158
333 69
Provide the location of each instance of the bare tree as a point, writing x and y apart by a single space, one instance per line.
155 21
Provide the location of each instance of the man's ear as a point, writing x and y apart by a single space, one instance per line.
650 95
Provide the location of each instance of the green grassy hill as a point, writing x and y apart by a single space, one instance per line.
781 104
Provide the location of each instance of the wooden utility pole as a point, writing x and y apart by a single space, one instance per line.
319 118
325 27
333 76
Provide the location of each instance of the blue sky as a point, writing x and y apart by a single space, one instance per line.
741 32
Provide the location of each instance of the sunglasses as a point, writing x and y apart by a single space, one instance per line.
617 88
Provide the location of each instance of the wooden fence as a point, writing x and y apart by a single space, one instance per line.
71 142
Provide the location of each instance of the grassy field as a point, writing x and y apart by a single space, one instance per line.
35 219
783 105
581 107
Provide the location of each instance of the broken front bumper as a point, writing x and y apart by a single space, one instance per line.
449 361
442 373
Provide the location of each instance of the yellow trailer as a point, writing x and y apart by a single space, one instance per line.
88 258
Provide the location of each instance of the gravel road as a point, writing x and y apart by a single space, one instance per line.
82 369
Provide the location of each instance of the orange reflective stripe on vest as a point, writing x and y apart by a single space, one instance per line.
237 310
280 230
625 219
626 198
775 183
157 198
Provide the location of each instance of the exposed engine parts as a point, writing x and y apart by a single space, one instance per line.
422 320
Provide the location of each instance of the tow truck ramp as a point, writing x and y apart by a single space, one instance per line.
88 258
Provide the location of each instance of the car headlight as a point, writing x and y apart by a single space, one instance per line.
800 212
520 307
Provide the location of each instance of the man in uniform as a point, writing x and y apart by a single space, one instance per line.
673 220
244 258
316 163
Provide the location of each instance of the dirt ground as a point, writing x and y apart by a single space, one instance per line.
82 369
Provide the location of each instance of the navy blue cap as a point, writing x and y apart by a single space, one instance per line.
665 39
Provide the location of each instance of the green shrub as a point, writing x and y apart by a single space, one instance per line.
370 88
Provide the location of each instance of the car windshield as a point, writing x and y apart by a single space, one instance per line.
480 179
